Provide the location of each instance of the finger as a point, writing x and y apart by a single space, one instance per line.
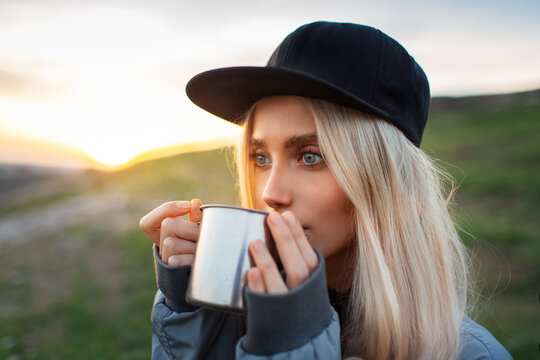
255 281
305 248
182 259
195 214
177 228
151 222
273 283
175 246
293 262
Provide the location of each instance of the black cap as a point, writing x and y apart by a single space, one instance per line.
348 64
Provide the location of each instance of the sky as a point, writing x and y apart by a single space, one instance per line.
106 79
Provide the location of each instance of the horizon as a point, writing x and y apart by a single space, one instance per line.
56 156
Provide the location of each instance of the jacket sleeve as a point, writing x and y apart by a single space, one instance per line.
299 324
477 343
184 331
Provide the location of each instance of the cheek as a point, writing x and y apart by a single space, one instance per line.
335 226
259 184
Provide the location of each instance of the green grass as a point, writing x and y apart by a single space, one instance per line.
494 154
85 290
95 319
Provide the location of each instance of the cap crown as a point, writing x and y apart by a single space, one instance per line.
364 63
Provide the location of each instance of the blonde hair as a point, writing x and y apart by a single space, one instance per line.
411 278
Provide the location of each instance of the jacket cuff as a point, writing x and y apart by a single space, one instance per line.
173 282
281 322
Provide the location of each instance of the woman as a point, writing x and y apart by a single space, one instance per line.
373 265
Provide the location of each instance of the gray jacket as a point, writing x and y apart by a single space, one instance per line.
299 324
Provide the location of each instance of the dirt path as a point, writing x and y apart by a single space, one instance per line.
108 207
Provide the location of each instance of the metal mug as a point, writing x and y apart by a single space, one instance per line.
222 259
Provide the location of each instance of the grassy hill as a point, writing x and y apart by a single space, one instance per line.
76 273
491 145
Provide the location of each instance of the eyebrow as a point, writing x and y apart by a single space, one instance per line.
292 142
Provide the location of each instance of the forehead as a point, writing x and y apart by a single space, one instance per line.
282 117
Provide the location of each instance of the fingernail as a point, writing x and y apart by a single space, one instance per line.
290 218
275 218
183 205
199 201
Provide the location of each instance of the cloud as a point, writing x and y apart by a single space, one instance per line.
460 44
34 80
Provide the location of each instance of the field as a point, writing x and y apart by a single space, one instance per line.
76 273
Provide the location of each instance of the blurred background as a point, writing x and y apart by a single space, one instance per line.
96 130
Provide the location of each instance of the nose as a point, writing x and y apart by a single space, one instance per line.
278 189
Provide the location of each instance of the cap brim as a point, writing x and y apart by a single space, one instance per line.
229 92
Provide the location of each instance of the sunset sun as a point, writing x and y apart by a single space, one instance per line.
111 154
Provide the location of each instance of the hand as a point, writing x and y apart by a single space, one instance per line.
176 238
297 256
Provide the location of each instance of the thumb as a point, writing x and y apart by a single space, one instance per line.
195 213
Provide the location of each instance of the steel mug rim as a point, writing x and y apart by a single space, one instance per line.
233 207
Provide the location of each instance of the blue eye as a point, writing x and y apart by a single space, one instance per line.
311 158
260 159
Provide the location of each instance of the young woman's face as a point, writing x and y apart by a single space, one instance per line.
290 174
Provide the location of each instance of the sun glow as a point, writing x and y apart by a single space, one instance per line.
111 154
113 91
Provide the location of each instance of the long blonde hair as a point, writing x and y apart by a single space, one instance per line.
411 278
